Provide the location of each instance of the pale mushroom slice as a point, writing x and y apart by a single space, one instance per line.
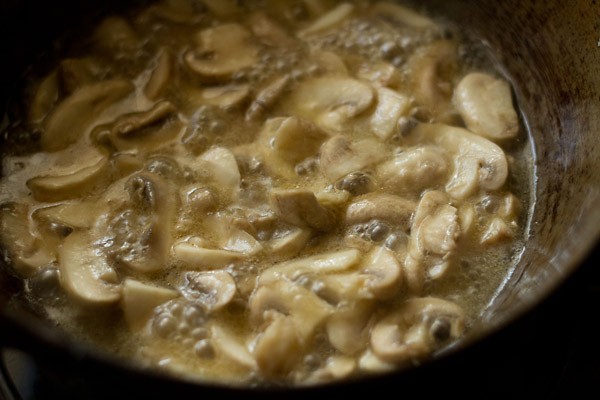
340 156
77 113
224 96
45 97
417 328
201 258
139 301
478 162
434 234
232 347
432 72
213 289
301 208
384 276
74 182
222 51
223 169
485 104
347 329
289 244
329 62
330 101
319 264
83 274
336 368
391 106
266 97
378 206
286 141
269 31
496 232
279 347
329 20
398 14
154 199
415 169
161 75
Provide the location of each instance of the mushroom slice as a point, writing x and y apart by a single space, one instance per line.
415 329
160 76
241 241
301 208
74 214
268 31
140 299
485 104
341 156
290 244
393 209
46 95
223 168
76 114
414 170
432 70
384 273
306 309
71 183
286 141
201 258
336 368
397 14
222 51
497 231
434 233
214 289
347 328
320 264
227 96
380 74
329 62
329 20
330 100
155 199
85 275
267 97
279 347
390 107
478 162
228 345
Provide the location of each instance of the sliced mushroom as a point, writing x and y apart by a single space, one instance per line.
266 97
241 241
227 344
279 347
140 299
222 51
434 234
398 14
78 72
301 208
306 309
384 273
415 329
340 156
76 114
415 170
73 214
485 104
85 275
328 20
347 328
286 141
75 182
390 107
290 244
432 70
380 74
227 96
160 76
478 162
329 62
331 100
223 168
196 257
44 98
336 368
497 231
214 289
320 264
393 209
269 31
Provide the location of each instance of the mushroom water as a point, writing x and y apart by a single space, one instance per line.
269 192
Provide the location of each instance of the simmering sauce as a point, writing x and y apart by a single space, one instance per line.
270 192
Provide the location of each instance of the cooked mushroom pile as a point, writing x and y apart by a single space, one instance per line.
287 192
